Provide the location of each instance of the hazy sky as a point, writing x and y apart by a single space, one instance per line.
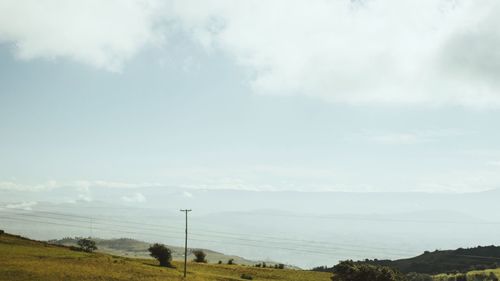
367 95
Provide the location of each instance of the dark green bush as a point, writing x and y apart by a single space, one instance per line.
87 245
413 276
161 253
246 276
351 271
200 256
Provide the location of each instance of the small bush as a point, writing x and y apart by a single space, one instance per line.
413 276
220 262
161 253
74 248
230 262
351 271
246 276
87 245
461 277
1 232
200 256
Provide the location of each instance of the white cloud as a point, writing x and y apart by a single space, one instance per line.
414 137
83 186
10 185
85 197
377 51
460 181
100 33
427 52
23 205
136 197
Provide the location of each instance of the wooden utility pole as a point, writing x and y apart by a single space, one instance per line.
186 211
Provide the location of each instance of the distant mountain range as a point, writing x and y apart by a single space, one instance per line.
301 228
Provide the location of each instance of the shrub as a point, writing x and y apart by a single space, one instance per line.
230 261
350 271
161 253
481 277
200 256
413 276
281 266
492 277
1 232
220 262
246 276
87 245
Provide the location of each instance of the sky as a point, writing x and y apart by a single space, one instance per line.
360 95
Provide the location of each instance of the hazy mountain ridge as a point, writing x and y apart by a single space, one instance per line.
263 225
128 247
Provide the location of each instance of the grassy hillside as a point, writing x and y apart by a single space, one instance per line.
437 262
139 249
475 275
23 259
461 260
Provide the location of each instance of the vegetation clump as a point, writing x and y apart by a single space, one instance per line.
200 256
87 245
162 254
413 276
246 276
351 271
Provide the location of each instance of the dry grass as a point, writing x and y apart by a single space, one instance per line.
22 259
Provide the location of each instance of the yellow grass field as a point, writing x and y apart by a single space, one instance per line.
22 259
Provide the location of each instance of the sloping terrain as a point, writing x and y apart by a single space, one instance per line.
139 249
436 262
461 260
22 259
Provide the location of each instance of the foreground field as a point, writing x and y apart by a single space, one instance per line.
475 275
23 259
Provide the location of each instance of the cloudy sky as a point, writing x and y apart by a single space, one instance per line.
360 95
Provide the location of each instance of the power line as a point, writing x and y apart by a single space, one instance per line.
142 233
295 249
322 246
311 251
230 235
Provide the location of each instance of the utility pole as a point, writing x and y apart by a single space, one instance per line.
186 211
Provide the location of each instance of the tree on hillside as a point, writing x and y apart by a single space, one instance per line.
350 271
200 256
161 253
87 244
